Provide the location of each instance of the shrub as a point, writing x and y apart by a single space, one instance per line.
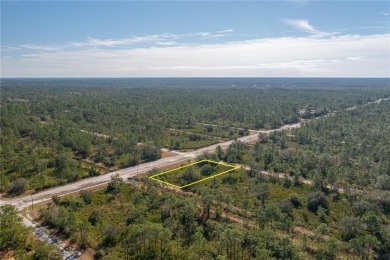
18 186
315 200
94 217
351 227
295 201
286 207
207 170
114 186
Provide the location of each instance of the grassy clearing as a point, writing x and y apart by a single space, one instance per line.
186 141
193 173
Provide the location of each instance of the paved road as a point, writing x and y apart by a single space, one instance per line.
43 196
88 183
68 252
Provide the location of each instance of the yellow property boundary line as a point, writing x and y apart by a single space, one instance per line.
233 167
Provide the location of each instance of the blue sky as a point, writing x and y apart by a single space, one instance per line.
207 38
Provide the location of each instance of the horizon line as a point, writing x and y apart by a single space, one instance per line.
184 77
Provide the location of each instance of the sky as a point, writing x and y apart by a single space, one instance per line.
295 38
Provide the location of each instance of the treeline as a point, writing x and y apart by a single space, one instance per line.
54 132
115 111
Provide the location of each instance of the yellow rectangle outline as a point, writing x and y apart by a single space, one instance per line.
234 167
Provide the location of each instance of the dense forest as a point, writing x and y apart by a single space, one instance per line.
320 191
350 148
240 215
58 131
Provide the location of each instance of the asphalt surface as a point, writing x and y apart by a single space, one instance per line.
69 253
88 183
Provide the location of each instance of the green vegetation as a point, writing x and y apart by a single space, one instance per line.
240 215
58 131
183 140
191 173
224 132
321 191
350 148
16 239
150 223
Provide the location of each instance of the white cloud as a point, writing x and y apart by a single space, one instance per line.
156 38
41 47
336 56
226 31
301 64
170 43
203 34
353 58
385 14
304 26
9 48
219 35
99 42
124 41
